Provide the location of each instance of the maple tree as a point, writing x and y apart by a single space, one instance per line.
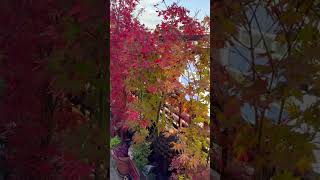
279 70
57 124
145 71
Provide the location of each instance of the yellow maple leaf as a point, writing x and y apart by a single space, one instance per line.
138 138
177 146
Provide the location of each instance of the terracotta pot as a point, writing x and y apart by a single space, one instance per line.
122 164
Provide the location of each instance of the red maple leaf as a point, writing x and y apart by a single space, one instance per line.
157 60
144 123
152 89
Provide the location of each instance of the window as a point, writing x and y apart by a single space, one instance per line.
278 50
245 39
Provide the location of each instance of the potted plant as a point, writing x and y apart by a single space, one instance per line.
119 152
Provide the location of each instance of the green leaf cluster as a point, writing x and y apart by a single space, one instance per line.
141 153
115 141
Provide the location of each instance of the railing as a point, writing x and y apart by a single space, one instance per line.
133 171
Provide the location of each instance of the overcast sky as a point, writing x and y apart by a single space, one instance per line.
149 15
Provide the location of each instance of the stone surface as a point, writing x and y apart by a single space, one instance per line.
113 171
214 175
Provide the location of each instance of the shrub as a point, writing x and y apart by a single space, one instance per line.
141 153
115 141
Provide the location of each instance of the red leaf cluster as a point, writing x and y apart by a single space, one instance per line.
27 39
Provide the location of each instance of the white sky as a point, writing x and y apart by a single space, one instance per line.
150 18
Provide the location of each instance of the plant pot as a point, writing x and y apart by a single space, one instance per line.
121 176
122 164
